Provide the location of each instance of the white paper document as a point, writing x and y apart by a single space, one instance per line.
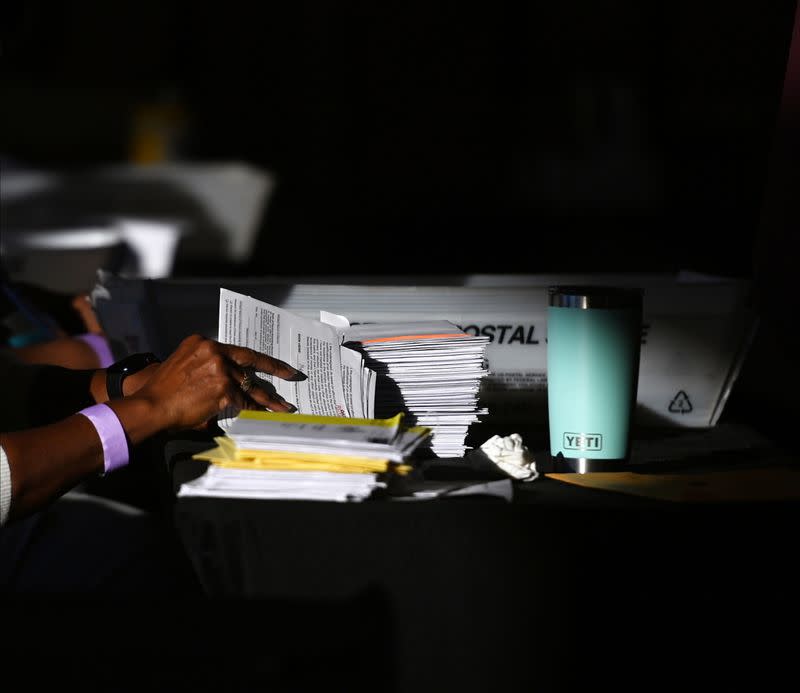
427 490
245 483
430 370
338 382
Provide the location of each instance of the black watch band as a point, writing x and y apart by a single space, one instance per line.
117 372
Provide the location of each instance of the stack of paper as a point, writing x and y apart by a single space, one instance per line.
302 457
430 370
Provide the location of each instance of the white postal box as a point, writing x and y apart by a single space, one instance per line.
696 329
695 334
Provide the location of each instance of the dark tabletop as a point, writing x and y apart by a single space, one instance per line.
476 592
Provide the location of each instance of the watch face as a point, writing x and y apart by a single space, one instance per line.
117 372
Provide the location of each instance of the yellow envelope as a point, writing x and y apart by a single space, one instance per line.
226 455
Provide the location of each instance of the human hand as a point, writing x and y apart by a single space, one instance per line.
203 377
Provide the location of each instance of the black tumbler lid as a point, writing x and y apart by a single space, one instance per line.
586 296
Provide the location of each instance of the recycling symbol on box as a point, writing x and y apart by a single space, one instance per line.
680 404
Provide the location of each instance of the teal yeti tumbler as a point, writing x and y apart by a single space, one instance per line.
593 345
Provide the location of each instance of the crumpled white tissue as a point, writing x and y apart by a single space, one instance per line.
512 456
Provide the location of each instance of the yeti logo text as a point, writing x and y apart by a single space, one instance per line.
583 441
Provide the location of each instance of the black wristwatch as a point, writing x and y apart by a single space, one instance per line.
117 372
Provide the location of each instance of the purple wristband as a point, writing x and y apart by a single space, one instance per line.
100 347
112 435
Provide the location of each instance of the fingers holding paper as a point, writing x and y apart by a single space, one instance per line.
248 358
203 377
257 393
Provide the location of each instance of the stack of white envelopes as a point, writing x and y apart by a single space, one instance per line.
304 457
429 370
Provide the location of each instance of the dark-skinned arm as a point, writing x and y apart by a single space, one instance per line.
199 380
49 460
45 394
68 352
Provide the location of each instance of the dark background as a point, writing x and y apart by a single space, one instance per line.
450 136
455 137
